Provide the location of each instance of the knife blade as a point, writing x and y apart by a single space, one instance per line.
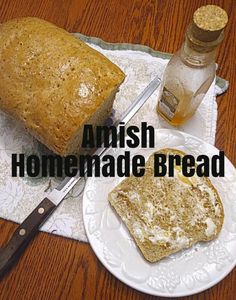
25 232
58 194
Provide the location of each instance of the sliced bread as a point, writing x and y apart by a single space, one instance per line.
167 214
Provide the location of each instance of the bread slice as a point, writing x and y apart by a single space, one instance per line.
167 214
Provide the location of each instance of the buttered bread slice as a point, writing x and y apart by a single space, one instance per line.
167 214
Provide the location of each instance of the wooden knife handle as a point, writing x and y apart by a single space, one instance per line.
24 233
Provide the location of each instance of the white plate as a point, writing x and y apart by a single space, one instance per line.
184 273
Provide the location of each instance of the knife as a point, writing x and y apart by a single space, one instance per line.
25 232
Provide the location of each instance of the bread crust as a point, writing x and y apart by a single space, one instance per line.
53 82
166 215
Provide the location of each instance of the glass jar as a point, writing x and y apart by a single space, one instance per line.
190 72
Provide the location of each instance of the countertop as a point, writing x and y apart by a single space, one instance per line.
58 268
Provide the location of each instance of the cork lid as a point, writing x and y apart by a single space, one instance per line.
208 23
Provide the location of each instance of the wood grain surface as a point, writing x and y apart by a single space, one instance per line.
59 268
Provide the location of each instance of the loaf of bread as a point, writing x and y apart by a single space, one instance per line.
167 214
53 82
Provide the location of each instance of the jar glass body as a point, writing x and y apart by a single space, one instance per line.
187 78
